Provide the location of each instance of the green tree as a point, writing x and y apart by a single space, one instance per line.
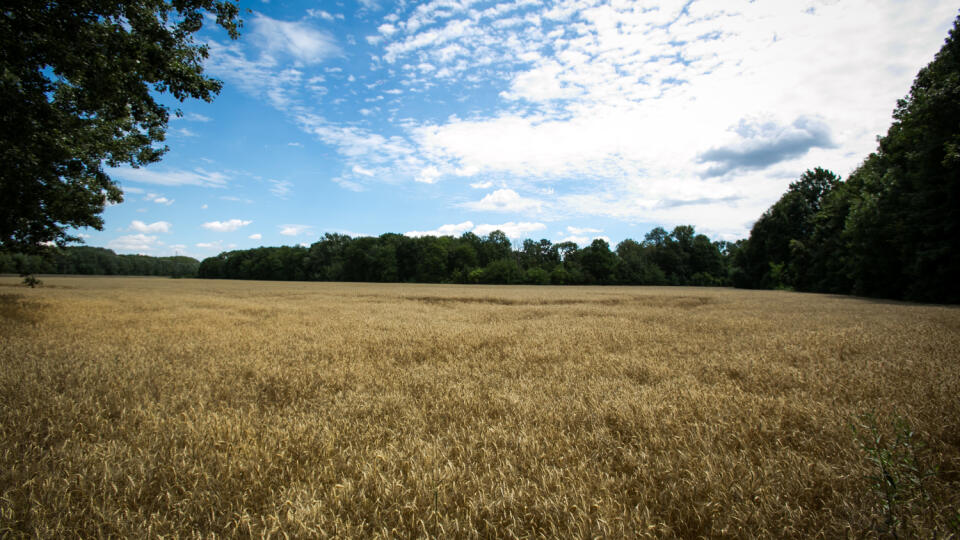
78 83
910 202
781 239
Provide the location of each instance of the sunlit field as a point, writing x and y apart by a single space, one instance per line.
151 406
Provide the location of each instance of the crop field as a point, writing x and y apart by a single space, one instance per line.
150 406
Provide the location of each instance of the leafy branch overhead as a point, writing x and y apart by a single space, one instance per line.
79 81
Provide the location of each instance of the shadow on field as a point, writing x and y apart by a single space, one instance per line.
17 308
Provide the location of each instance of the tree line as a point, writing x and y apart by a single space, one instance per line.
892 228
97 261
679 257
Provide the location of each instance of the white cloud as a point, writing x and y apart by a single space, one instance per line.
513 230
185 132
454 229
321 14
294 230
256 236
348 184
196 177
156 227
583 230
428 175
139 243
210 245
296 144
300 40
197 117
280 188
625 108
357 169
612 97
226 226
504 200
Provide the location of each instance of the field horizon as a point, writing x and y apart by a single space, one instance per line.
134 406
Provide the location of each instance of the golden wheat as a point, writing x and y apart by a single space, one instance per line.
146 407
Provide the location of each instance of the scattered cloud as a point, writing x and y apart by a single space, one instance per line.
159 199
516 231
297 39
357 169
761 143
623 108
256 236
296 144
140 243
428 175
156 227
504 200
196 117
226 226
445 230
280 188
196 177
583 230
295 230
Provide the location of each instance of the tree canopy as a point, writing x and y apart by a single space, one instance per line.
892 229
681 257
79 82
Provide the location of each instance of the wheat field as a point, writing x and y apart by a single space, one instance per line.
143 407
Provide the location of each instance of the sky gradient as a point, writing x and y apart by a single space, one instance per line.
564 120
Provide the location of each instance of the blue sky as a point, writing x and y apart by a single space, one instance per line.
565 120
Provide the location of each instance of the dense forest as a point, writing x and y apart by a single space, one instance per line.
680 257
892 229
96 261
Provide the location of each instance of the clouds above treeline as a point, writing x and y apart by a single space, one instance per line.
529 116
624 97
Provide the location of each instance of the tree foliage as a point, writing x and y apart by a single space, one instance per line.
892 229
472 259
79 82
96 261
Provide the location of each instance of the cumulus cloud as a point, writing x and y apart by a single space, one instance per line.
226 226
514 230
156 227
255 236
454 229
760 144
428 175
504 200
294 230
158 199
629 106
139 243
